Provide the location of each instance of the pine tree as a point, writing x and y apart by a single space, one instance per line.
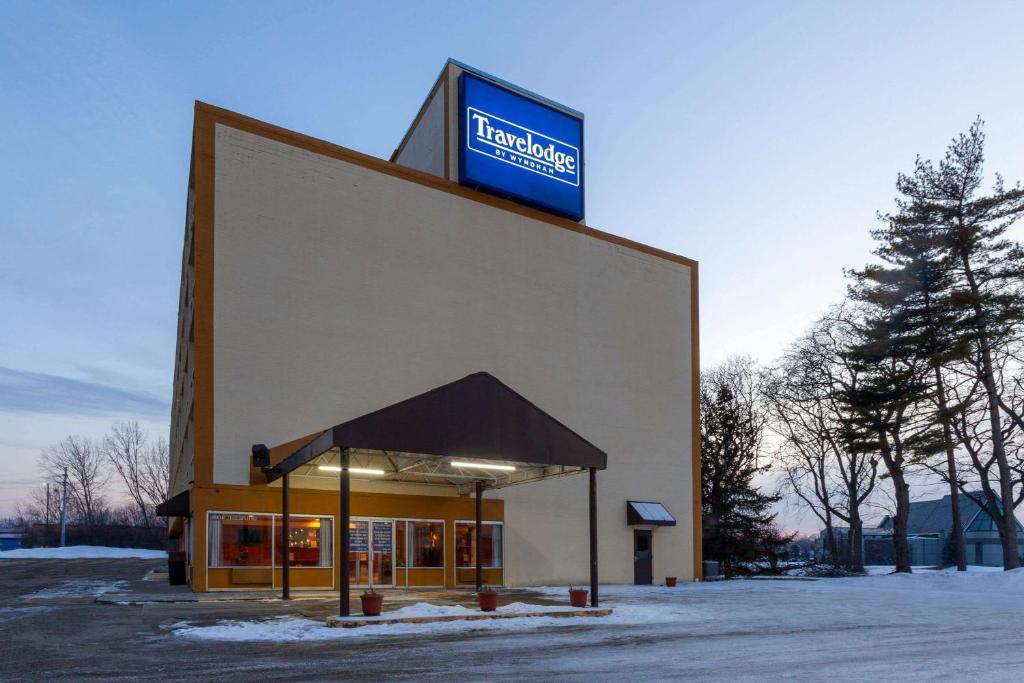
978 307
882 413
913 321
738 524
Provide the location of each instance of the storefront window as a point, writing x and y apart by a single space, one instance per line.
239 540
243 540
465 544
309 543
420 543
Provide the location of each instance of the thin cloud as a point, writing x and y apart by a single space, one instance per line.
37 392
20 483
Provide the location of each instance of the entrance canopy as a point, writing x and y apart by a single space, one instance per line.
470 430
475 430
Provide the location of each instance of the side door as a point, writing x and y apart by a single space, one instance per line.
643 563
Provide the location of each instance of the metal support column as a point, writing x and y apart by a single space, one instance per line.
285 536
593 537
479 535
343 532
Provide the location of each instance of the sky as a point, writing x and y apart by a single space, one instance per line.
758 138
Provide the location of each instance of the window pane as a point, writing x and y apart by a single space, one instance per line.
309 544
465 545
239 540
400 542
427 544
493 533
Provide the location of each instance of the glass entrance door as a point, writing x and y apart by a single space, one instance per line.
383 556
358 554
371 552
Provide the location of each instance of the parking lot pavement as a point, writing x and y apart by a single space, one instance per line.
65 619
76 619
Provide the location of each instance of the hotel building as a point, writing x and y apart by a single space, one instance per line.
451 332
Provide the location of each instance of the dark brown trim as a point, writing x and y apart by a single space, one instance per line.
479 532
311 144
695 464
286 583
592 514
203 156
344 538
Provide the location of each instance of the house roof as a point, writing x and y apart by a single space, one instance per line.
936 516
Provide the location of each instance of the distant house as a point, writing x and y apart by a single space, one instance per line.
10 538
877 544
931 521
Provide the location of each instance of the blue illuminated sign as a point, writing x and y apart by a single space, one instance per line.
519 148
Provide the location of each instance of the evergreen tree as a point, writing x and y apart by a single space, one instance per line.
882 414
738 526
913 324
978 307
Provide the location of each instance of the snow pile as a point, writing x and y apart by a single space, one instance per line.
299 629
983 579
81 588
877 570
80 552
425 609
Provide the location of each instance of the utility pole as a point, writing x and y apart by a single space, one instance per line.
46 525
64 510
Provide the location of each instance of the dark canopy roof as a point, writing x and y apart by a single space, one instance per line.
175 506
475 417
648 513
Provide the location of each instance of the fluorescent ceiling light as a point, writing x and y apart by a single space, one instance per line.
353 470
483 466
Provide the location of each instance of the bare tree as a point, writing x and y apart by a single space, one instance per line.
155 476
124 447
41 507
981 473
87 476
809 414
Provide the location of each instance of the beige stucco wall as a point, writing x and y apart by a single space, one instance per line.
339 290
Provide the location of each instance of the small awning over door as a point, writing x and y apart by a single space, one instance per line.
651 513
175 506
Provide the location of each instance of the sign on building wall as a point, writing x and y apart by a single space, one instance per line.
519 148
358 537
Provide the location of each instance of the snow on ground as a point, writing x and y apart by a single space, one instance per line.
80 552
782 606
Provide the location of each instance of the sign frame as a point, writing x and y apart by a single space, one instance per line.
465 148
